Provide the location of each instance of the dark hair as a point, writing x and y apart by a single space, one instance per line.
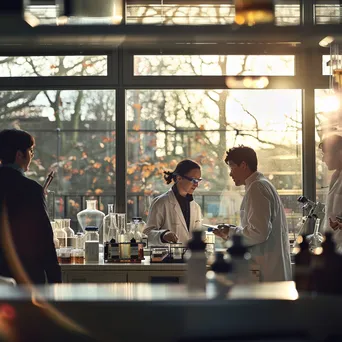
11 141
243 154
332 143
181 169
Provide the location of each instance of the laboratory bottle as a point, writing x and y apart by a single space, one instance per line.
55 240
240 261
220 275
112 251
91 216
135 232
109 224
124 238
196 263
134 250
302 270
77 254
91 244
60 233
141 227
70 241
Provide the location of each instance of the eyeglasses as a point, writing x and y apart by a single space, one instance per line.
31 150
193 180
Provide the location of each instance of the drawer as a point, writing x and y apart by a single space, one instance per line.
95 277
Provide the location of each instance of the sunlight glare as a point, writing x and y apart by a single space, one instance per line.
330 103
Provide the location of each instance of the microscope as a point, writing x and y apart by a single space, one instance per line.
310 224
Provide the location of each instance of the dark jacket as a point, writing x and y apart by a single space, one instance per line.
30 227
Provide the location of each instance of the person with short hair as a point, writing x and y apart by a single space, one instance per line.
331 147
174 214
29 224
263 221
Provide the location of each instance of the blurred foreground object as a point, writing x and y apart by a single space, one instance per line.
251 12
7 281
74 12
90 12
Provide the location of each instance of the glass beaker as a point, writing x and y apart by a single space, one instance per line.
110 229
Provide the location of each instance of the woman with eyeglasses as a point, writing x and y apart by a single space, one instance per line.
174 214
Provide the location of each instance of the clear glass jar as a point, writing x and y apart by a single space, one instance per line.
77 256
64 256
210 243
91 217
91 245
177 251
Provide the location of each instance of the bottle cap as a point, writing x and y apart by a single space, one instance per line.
91 228
220 265
137 218
196 243
237 249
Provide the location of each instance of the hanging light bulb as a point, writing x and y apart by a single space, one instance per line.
251 12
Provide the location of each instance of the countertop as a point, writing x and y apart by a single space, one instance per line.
147 292
145 265
168 313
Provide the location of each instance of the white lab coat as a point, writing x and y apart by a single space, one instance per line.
166 214
264 228
333 207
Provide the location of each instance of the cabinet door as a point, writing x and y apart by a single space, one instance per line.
96 277
170 277
156 277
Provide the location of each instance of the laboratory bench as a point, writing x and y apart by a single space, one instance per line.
169 313
123 273
144 272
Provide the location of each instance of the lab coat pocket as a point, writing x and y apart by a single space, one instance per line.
243 218
337 205
175 226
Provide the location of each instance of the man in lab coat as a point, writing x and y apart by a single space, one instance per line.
263 221
331 148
